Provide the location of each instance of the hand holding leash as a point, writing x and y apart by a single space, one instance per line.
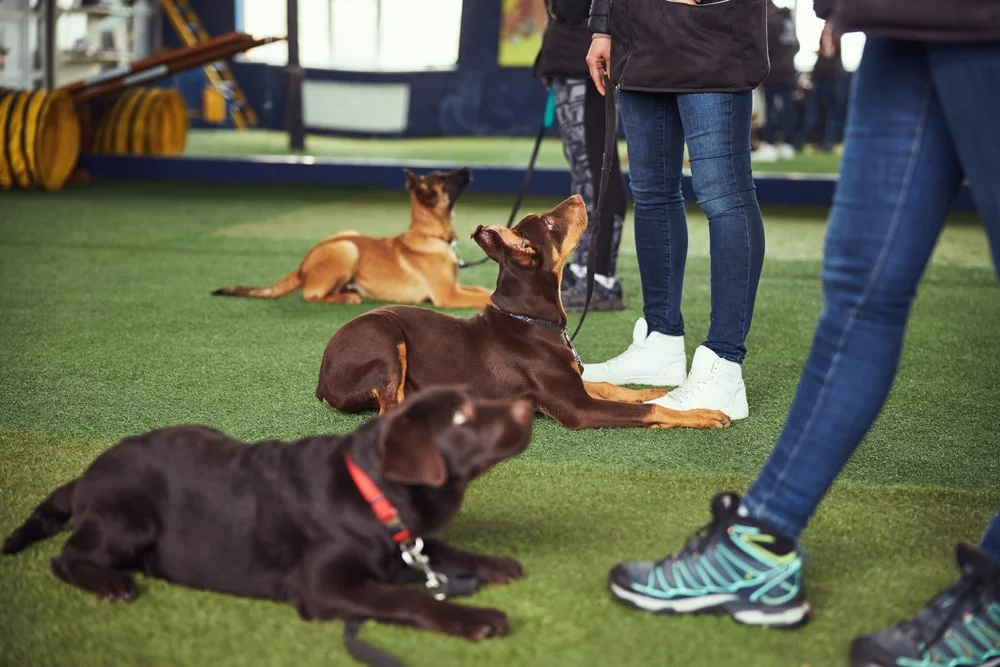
599 60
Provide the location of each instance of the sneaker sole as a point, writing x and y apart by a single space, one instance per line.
782 618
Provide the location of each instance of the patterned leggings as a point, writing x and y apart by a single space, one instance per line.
580 111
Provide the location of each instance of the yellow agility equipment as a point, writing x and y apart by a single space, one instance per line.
143 121
39 139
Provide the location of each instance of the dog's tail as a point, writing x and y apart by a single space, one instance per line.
47 520
289 283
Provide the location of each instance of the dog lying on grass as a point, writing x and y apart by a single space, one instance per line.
417 266
517 348
299 522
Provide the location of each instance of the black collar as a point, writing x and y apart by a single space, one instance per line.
547 324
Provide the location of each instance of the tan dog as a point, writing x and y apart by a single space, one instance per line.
418 265
523 18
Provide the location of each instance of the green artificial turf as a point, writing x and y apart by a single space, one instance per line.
497 151
109 329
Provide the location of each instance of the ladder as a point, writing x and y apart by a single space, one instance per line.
189 27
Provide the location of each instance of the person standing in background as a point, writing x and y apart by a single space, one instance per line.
684 73
561 64
781 112
825 98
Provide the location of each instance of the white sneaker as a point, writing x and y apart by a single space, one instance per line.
786 152
655 359
714 383
765 153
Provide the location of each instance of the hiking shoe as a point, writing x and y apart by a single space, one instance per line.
655 359
958 628
607 294
734 565
714 383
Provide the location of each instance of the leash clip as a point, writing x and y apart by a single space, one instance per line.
413 555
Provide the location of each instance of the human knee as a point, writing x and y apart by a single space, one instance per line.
722 193
856 277
649 191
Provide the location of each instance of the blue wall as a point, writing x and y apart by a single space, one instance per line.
479 98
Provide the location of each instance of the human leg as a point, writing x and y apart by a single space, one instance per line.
898 177
961 625
717 129
655 141
607 293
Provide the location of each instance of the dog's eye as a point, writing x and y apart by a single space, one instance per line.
548 221
459 418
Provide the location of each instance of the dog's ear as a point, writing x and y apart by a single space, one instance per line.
411 180
408 451
495 241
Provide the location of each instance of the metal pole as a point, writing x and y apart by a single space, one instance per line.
293 104
49 43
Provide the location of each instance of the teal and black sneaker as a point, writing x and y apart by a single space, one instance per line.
734 566
958 628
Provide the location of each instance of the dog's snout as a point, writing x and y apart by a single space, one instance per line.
522 412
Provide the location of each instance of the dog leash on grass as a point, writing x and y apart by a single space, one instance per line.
610 146
547 121
454 584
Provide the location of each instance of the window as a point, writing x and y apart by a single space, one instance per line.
359 35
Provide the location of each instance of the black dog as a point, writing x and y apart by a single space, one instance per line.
305 522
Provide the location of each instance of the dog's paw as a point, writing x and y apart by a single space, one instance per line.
498 569
117 587
479 623
710 418
693 419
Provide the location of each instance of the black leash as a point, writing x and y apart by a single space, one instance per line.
547 324
547 120
456 584
610 145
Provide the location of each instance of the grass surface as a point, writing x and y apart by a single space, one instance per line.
109 330
502 151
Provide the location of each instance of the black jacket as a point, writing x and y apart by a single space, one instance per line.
566 40
917 20
668 46
782 44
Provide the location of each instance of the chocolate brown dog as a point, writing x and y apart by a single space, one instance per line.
418 265
517 348
320 523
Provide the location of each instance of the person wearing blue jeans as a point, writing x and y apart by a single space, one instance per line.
661 109
923 117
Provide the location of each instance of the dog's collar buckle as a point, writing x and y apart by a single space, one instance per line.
413 555
411 548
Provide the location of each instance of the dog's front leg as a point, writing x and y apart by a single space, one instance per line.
612 392
331 595
491 569
575 409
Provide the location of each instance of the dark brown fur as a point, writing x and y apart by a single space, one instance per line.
285 521
418 265
379 357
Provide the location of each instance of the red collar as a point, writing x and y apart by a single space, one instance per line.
383 509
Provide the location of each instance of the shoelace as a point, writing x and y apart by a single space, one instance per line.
697 541
689 388
967 595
